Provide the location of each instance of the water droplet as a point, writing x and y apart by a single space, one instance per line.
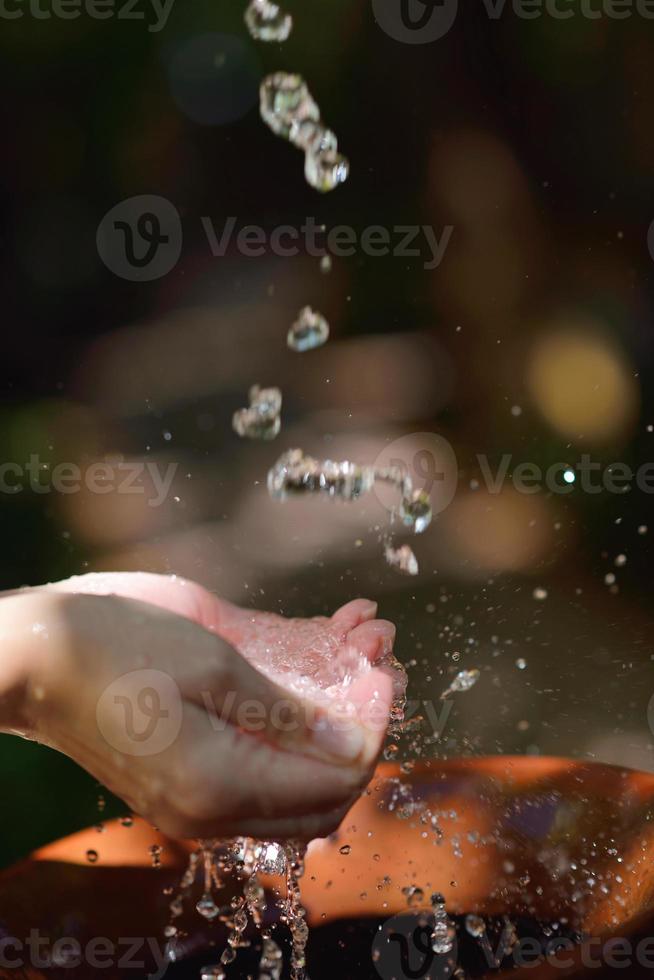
620 561
262 419
345 849
296 473
475 926
290 111
92 856
309 331
443 932
414 896
402 558
285 102
272 859
206 907
213 973
267 22
521 663
270 966
415 511
326 169
463 681
540 594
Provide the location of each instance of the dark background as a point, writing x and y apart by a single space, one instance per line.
535 141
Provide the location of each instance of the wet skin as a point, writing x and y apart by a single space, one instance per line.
64 644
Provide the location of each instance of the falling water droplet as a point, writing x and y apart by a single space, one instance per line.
463 681
213 973
415 511
402 558
262 419
475 926
290 111
270 966
326 169
206 907
267 22
442 934
309 331
285 101
296 473
272 860
414 896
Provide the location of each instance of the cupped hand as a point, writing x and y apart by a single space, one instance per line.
208 719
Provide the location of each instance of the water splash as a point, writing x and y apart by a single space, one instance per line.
443 931
245 859
295 473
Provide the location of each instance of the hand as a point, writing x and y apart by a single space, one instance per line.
92 656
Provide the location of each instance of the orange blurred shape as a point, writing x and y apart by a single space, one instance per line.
582 382
505 531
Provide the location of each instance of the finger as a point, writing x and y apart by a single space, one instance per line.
255 781
373 639
233 692
355 612
293 828
371 697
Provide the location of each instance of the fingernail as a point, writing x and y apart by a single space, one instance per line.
385 631
344 744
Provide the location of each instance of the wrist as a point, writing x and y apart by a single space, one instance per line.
23 641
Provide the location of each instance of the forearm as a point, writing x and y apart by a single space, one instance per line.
20 635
